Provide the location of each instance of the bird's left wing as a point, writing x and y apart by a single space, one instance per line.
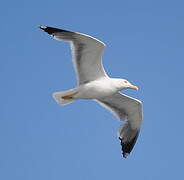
130 110
86 51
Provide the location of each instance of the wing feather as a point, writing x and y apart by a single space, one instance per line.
130 110
86 51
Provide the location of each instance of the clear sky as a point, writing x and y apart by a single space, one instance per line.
40 140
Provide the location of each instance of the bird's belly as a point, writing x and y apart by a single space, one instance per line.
94 91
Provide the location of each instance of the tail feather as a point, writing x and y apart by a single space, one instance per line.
64 98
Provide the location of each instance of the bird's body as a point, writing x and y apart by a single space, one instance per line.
97 89
94 83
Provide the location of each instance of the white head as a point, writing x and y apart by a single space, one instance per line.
124 84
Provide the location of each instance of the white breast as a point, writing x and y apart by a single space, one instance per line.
96 89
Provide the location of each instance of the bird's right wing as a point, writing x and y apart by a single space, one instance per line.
86 51
130 110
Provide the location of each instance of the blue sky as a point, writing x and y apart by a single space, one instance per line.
41 140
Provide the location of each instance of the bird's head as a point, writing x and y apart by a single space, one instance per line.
125 84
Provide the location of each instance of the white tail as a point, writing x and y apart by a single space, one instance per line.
64 98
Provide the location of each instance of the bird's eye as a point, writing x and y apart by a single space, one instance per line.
125 82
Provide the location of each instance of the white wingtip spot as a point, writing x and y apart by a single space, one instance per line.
125 155
43 27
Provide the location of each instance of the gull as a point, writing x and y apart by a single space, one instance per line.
94 83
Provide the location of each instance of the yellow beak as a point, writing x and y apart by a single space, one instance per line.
134 87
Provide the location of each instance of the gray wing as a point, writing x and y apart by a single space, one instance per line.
86 52
130 110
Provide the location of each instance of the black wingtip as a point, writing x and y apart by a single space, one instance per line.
47 29
128 146
42 27
51 30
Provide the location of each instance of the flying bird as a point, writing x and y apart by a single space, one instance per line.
94 83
